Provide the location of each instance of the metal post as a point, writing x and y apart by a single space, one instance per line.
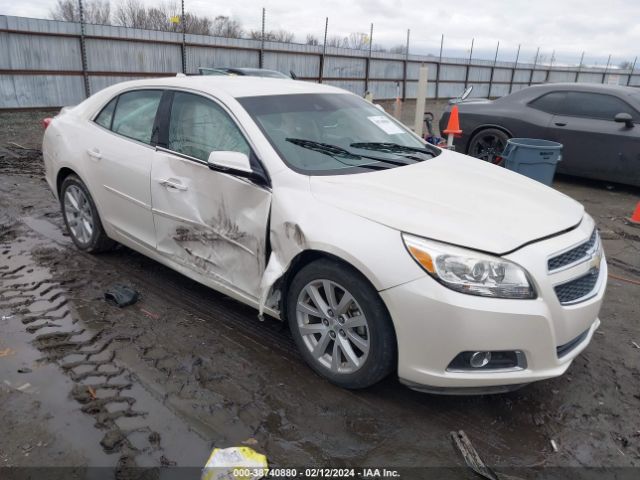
184 40
513 72
535 63
438 66
493 68
553 57
579 68
421 95
604 74
466 77
368 62
261 59
83 51
633 67
404 70
324 49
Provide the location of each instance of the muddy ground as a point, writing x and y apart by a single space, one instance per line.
84 384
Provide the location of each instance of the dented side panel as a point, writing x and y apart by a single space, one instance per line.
210 222
300 222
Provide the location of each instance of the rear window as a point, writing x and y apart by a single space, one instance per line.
104 117
550 103
135 114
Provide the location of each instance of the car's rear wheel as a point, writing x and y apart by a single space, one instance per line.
340 325
81 217
488 145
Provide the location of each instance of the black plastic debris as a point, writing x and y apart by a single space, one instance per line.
121 295
471 456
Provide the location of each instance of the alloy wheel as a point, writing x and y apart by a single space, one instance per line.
489 148
333 326
78 213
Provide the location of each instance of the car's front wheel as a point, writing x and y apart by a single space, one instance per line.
81 217
340 325
488 145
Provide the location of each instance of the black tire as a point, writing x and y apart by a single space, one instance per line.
488 145
98 241
381 358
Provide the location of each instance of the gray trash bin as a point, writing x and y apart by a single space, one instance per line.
533 158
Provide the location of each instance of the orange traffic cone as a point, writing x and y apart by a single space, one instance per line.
635 217
453 126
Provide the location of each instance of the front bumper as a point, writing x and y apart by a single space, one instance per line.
434 324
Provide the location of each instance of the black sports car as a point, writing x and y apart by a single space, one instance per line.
599 126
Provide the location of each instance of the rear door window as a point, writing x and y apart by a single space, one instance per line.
135 114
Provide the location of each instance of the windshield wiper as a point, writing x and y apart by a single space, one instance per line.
395 148
339 152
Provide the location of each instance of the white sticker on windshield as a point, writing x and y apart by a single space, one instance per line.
386 125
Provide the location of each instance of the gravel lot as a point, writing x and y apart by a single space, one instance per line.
159 383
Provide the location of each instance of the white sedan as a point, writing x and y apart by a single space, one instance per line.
312 205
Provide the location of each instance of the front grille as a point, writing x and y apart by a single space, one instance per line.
574 255
578 287
562 350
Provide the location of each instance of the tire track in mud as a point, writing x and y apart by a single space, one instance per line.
101 385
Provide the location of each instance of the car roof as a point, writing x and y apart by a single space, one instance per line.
235 86
586 87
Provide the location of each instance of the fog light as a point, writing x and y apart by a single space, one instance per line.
471 361
480 359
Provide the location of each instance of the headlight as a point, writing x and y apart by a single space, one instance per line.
470 272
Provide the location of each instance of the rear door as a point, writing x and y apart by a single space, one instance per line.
211 222
595 146
120 151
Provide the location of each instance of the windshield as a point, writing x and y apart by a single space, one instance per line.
264 73
333 133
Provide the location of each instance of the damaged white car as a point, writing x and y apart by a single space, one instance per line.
312 205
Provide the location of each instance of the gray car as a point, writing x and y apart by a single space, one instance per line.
597 124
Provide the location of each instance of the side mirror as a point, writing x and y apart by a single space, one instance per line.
466 93
234 162
624 118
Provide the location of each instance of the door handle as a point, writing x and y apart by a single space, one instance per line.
561 124
94 153
172 185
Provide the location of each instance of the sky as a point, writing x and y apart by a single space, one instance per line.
567 27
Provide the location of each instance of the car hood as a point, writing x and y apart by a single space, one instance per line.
455 199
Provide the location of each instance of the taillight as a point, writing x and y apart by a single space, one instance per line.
46 122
